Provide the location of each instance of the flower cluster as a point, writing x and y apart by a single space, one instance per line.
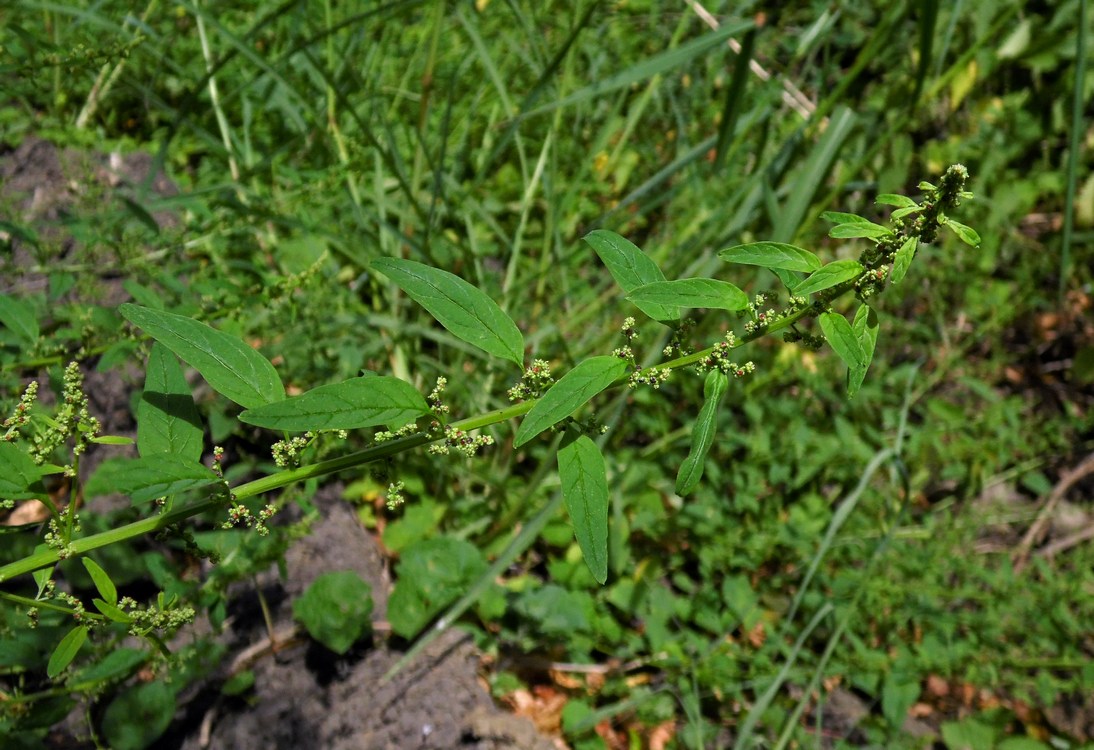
536 380
654 376
395 496
164 616
240 514
71 420
458 440
57 540
678 346
718 359
407 429
434 398
21 416
287 452
808 340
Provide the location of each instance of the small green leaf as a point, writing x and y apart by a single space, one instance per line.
335 609
148 477
19 475
772 255
116 665
839 217
891 199
112 440
866 328
966 234
349 405
431 574
702 433
66 650
230 367
18 316
167 419
585 490
709 293
859 229
828 276
631 268
463 309
839 334
102 581
574 389
903 259
111 612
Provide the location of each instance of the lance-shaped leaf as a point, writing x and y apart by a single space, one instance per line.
903 259
828 276
585 489
891 199
865 327
631 268
19 475
358 402
968 235
18 316
772 255
840 217
842 338
167 419
101 579
709 293
66 650
859 229
574 389
230 367
702 433
148 477
463 309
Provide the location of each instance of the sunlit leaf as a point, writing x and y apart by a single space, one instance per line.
772 255
585 489
575 388
358 402
631 268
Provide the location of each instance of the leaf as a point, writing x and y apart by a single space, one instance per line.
574 389
709 293
18 316
463 309
631 268
772 255
148 477
829 276
102 581
19 475
231 367
839 334
431 574
891 199
859 229
839 217
702 433
139 715
903 259
358 402
966 234
66 650
111 612
335 609
865 327
167 419
585 490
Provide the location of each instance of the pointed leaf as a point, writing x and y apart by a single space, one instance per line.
903 259
772 255
840 217
102 581
148 477
358 402
891 199
900 213
839 334
968 235
19 474
859 229
631 268
709 293
574 389
865 327
167 419
463 309
18 316
829 276
585 490
66 650
230 367
702 433
111 611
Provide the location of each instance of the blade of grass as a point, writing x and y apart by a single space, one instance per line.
1079 74
734 96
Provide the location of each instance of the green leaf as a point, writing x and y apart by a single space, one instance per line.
702 433
631 268
839 334
116 665
19 475
431 574
574 389
335 609
709 293
865 327
859 229
463 309
18 316
772 255
167 419
137 717
111 612
903 259
112 440
66 650
358 402
898 694
231 367
148 477
829 276
891 199
102 581
839 217
966 234
585 490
